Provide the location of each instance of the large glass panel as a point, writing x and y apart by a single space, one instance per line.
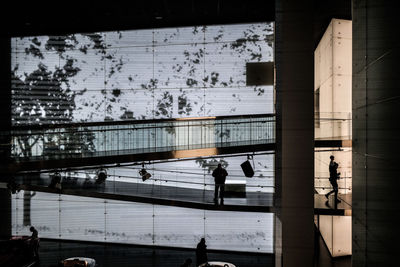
326 230
242 100
92 219
178 227
95 76
129 222
37 209
82 218
179 66
239 231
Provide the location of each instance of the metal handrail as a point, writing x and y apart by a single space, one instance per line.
157 135
131 122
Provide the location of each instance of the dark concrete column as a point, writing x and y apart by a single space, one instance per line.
5 213
5 126
376 133
294 56
5 98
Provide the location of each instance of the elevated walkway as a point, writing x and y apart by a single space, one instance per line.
182 197
85 144
155 194
323 206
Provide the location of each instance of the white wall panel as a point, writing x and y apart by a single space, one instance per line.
128 222
101 72
92 219
81 218
178 227
255 231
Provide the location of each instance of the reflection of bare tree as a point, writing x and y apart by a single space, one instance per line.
44 96
31 108
116 66
211 164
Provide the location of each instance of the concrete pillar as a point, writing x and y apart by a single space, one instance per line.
5 213
295 133
5 122
5 98
376 133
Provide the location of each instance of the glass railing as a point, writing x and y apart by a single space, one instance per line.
333 125
185 174
132 137
323 185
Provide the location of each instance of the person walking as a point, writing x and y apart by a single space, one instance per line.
333 177
219 175
201 252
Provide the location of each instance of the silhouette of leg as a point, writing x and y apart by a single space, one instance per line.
334 185
216 193
336 195
222 191
328 194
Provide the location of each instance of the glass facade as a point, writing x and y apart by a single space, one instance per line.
139 74
91 219
145 90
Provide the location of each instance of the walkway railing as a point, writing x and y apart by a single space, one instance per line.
135 137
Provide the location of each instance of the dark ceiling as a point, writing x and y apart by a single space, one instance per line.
58 17
34 18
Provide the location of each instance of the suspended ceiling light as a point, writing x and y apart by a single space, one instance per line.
101 176
145 175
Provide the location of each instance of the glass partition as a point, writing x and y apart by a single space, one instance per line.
179 174
87 140
88 219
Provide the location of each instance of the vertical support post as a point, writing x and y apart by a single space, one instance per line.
376 133
294 183
5 137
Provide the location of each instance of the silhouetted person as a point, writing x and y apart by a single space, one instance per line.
35 233
13 186
187 263
333 177
55 182
219 175
34 242
201 252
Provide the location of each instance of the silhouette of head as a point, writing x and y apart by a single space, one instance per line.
202 240
332 157
32 228
219 165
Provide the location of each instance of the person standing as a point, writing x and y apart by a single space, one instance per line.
333 177
201 252
34 242
219 175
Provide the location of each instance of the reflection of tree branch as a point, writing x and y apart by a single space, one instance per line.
21 146
25 146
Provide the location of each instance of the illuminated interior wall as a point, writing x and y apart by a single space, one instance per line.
333 107
332 87
336 231
139 74
91 219
332 66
